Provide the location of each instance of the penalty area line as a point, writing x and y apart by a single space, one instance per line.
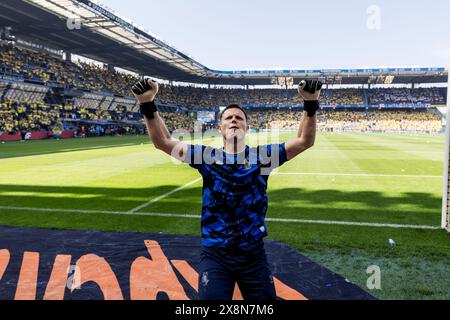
194 216
164 196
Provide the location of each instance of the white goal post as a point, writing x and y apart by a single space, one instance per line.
446 189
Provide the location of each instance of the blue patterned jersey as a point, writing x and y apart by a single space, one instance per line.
234 192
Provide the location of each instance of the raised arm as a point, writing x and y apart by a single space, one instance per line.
310 90
145 92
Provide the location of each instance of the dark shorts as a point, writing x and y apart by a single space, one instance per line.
220 269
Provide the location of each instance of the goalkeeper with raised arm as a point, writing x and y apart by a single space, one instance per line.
234 193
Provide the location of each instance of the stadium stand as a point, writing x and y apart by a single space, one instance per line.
349 120
104 98
405 95
89 100
26 92
43 67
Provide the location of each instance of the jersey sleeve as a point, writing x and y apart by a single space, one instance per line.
194 157
272 156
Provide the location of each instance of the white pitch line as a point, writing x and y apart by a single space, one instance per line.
164 196
193 216
153 214
69 150
358 175
351 223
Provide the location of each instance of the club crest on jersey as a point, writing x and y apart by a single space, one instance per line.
205 279
247 165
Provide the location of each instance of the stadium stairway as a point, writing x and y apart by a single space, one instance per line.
366 99
8 86
436 112
54 96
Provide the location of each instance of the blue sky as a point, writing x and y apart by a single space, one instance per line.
254 34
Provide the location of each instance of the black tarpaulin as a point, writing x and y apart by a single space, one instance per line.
84 265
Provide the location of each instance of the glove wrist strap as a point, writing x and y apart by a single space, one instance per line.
311 107
148 109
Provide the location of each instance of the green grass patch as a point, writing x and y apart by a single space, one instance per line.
375 178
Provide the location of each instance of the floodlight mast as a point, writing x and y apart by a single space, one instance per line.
446 189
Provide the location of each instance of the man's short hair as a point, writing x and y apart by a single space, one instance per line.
234 106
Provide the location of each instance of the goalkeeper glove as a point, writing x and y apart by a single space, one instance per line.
310 90
145 91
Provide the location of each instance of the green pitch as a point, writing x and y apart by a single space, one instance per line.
392 184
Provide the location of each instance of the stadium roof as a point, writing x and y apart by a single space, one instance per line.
82 27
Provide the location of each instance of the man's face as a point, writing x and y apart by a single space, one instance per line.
233 124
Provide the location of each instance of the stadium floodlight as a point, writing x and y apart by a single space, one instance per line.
446 195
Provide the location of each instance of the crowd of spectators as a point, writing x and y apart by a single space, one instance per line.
117 82
175 121
210 98
26 116
26 106
349 120
46 68
406 95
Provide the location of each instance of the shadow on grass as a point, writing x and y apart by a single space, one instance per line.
368 198
359 206
43 147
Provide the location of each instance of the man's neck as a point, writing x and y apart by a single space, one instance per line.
234 146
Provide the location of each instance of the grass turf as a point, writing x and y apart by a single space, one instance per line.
375 178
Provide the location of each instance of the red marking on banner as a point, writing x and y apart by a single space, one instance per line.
4 261
287 293
191 277
148 277
237 295
58 279
27 285
188 273
94 268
